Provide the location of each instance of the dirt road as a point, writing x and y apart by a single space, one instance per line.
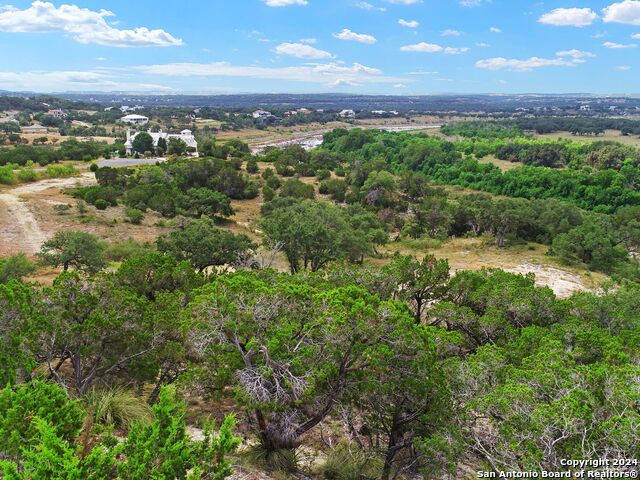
20 229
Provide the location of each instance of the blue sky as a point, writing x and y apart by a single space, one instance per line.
348 46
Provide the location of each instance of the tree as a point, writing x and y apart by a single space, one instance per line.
203 201
162 146
15 268
205 245
314 233
99 330
176 146
290 350
79 250
419 283
143 143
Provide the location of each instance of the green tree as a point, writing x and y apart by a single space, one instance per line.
290 350
313 233
162 146
205 245
419 282
203 201
176 146
142 143
15 268
79 250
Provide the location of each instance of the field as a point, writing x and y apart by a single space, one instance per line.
614 135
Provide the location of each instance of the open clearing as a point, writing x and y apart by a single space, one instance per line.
476 254
615 135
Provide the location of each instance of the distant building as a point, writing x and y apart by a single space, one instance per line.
585 108
34 129
290 113
261 114
135 119
57 113
304 111
185 135
347 114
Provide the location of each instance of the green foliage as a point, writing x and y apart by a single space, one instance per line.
314 233
294 188
154 448
162 449
47 402
15 268
77 250
101 204
143 142
116 407
134 215
205 245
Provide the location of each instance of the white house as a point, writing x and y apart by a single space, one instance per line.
185 135
57 113
347 114
261 114
135 119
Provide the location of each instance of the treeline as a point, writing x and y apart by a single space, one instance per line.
515 127
602 190
190 187
71 149
416 370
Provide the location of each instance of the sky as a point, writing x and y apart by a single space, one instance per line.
401 47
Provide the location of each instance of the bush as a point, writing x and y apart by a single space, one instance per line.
20 405
27 175
252 166
101 204
268 193
134 215
347 462
58 171
94 167
323 174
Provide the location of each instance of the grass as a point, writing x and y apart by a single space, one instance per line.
347 462
116 407
608 135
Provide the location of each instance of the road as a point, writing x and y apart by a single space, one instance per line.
19 226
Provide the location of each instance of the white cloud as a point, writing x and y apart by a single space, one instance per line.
455 50
321 73
627 12
404 2
473 3
309 41
574 53
424 47
82 24
501 63
301 50
347 34
619 46
409 23
623 68
483 45
636 36
569 17
399 85
368 6
52 81
284 3
495 30
450 33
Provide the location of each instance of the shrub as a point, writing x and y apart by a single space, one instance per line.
323 174
134 215
27 175
20 405
101 204
252 166
57 171
268 193
94 167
